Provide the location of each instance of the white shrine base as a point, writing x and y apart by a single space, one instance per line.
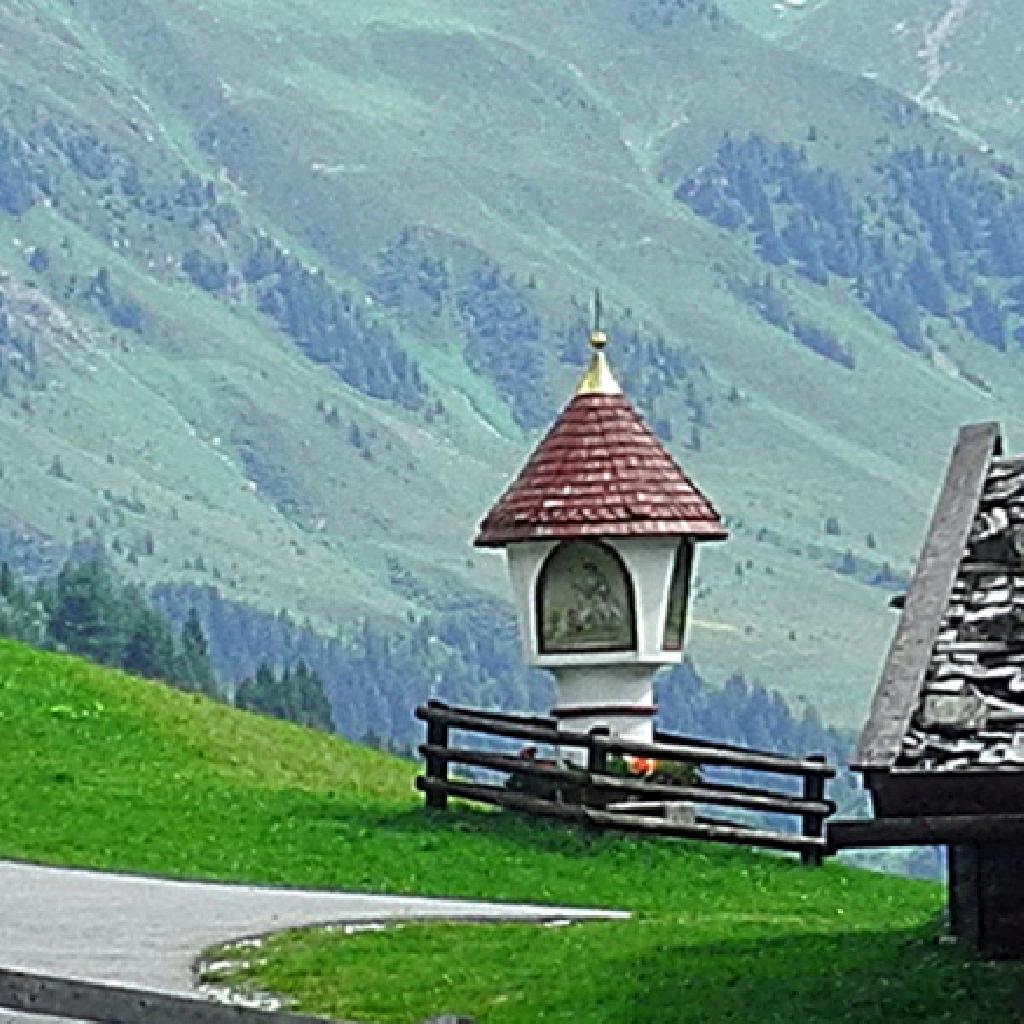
619 698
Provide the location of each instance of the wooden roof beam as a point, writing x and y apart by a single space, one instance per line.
899 688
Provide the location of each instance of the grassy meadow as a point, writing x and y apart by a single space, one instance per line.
104 771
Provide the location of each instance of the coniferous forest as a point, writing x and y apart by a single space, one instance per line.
935 238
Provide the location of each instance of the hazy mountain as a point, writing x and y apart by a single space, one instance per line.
288 291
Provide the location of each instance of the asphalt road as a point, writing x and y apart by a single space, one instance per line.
147 932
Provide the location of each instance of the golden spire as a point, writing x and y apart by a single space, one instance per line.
598 380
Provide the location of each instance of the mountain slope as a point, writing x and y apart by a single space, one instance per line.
958 58
290 290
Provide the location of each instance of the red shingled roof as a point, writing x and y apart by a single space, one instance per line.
599 472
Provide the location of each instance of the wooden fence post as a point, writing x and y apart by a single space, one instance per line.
437 766
813 824
597 761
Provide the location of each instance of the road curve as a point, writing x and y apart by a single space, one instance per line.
146 932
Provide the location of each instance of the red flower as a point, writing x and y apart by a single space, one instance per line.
641 765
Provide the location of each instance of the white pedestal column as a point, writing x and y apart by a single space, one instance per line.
617 697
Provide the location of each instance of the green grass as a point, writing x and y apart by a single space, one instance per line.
103 771
689 968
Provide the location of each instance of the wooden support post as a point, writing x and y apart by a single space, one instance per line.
437 766
813 824
985 900
962 876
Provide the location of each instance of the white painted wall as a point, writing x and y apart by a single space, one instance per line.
627 727
604 684
613 685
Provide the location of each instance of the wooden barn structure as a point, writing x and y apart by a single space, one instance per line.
942 752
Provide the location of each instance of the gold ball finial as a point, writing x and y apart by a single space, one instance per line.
598 379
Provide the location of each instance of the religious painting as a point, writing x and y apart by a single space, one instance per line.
678 598
585 601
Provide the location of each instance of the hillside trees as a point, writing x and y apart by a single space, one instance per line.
330 329
937 237
505 343
86 616
424 274
88 612
148 649
660 15
368 680
120 309
296 695
169 221
20 359
17 194
771 303
23 614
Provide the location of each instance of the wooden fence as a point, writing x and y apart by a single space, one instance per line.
597 796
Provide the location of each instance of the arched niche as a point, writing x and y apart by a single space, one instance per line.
585 600
678 598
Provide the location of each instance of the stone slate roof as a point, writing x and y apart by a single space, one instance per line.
599 472
970 711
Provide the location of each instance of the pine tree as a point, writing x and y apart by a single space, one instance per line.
298 696
8 587
925 281
894 304
261 693
194 668
85 617
310 702
149 648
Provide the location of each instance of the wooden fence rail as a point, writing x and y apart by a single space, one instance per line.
747 797
596 796
926 830
717 756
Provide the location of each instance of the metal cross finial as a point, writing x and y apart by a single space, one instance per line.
598 379
598 339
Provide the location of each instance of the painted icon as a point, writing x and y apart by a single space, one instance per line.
585 601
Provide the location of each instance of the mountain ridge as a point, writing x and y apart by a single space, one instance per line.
322 279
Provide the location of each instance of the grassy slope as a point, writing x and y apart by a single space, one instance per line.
540 134
135 776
